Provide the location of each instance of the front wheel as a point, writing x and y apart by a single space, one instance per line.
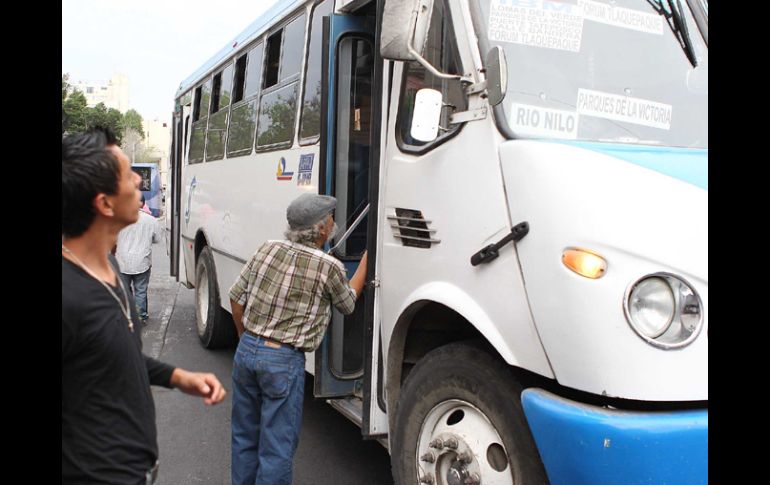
459 421
215 326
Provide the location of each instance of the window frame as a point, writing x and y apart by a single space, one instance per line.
258 43
216 98
281 84
311 140
197 98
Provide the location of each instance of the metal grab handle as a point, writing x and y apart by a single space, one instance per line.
350 229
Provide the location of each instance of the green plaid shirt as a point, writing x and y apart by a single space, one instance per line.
287 289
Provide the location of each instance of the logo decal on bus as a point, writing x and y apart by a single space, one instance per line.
281 173
305 169
193 184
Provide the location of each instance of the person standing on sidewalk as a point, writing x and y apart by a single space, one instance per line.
134 254
108 430
281 306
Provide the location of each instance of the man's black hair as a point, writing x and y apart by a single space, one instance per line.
88 168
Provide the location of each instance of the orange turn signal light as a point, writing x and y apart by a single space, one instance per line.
584 263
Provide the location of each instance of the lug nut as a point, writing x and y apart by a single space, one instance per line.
427 478
450 443
465 457
436 444
428 457
473 479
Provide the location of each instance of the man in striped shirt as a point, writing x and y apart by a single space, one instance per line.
281 306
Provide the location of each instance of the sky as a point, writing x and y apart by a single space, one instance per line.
156 43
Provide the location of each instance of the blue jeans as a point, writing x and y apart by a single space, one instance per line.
268 389
138 284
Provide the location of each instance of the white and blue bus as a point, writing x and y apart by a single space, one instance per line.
150 186
530 179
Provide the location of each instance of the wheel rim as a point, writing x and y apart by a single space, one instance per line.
458 445
202 295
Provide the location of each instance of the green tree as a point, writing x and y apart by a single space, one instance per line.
77 117
110 118
133 120
65 86
73 113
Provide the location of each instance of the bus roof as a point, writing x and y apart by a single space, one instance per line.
254 30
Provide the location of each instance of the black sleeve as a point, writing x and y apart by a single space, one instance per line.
159 373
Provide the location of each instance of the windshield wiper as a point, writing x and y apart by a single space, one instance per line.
675 20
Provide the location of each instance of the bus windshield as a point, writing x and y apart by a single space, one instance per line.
609 71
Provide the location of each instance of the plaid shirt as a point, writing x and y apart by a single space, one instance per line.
287 289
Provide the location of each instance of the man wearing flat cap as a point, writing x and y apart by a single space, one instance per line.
281 306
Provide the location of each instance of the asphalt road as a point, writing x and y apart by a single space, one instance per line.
194 439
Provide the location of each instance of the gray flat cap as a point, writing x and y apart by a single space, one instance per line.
308 209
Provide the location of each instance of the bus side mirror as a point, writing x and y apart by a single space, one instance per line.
404 24
426 115
497 75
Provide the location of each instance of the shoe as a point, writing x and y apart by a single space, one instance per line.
144 319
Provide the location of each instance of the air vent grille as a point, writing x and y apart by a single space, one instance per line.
411 227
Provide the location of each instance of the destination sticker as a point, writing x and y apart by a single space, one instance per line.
624 108
305 169
537 23
651 23
543 122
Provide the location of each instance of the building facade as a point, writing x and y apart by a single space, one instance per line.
113 93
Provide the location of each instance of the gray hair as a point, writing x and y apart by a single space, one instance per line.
305 236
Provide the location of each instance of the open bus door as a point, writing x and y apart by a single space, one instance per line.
181 122
348 149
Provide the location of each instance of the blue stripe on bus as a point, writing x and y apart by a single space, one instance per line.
687 164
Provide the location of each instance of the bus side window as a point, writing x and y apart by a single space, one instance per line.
310 122
441 52
186 103
273 59
243 114
278 103
200 119
220 102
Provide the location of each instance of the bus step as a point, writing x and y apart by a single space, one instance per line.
351 407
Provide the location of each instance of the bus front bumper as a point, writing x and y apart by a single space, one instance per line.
583 444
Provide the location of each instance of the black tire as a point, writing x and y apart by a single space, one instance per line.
215 326
453 392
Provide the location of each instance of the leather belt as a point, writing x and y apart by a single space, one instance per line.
269 342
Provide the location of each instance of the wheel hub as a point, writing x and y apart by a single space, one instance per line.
202 295
458 445
449 457
457 474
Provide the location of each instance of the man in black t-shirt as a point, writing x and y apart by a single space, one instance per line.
108 415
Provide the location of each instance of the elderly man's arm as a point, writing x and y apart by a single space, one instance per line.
358 280
238 316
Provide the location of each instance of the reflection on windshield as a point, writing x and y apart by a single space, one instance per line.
602 70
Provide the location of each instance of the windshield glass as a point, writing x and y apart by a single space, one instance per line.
610 71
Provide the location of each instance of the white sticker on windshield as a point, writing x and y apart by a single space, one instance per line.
539 23
531 120
624 108
652 23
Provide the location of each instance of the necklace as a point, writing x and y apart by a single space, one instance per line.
85 268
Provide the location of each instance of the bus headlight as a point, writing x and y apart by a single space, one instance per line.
664 310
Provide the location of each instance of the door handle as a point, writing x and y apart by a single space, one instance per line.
492 251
